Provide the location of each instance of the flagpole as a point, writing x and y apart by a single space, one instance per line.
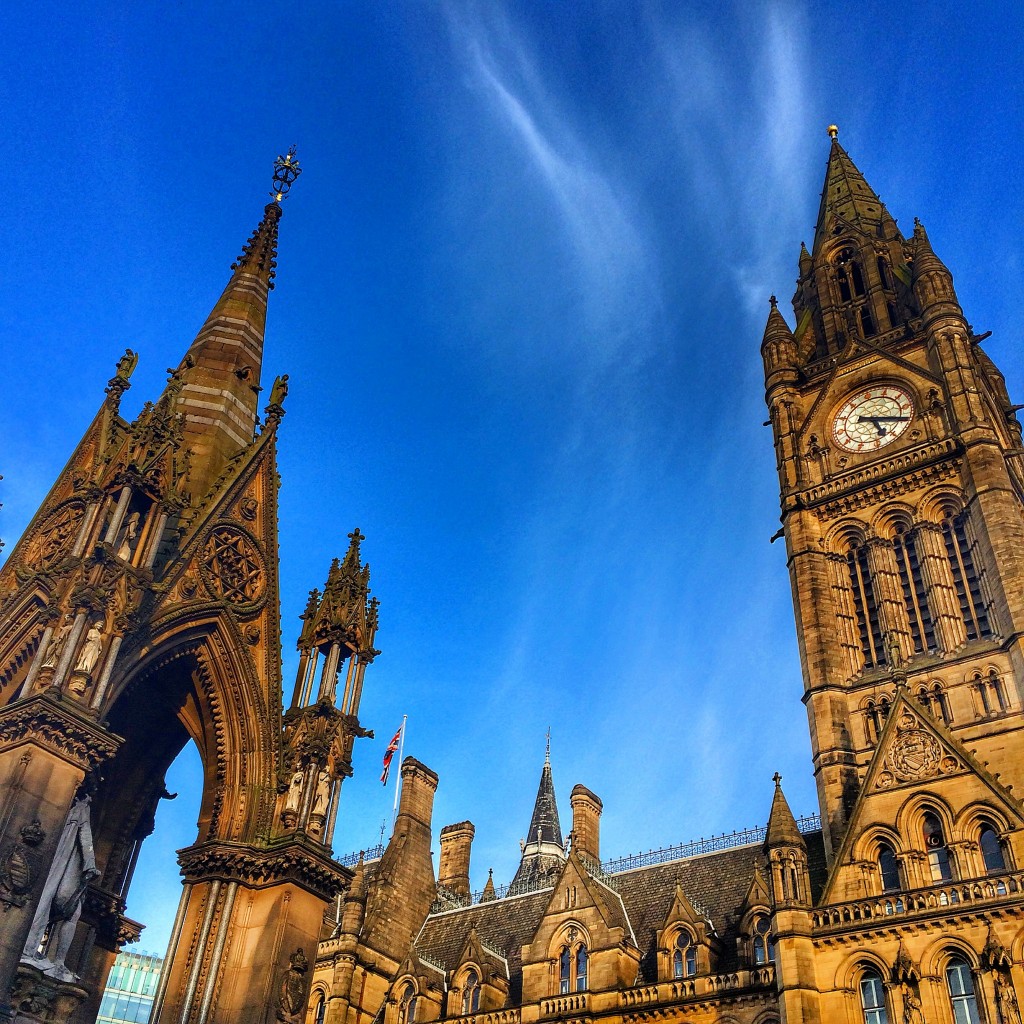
398 774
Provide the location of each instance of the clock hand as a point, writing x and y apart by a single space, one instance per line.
875 420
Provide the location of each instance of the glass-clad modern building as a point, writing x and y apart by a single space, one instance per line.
128 997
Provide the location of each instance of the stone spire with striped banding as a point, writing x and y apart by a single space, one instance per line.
221 370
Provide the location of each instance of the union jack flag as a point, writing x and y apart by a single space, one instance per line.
389 754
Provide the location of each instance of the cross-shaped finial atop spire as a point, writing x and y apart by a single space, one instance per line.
777 779
286 170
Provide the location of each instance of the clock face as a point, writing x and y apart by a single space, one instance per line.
872 418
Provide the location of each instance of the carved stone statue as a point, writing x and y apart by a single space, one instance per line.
127 363
912 1013
294 797
128 537
323 793
1007 1010
91 649
57 642
279 391
291 1003
60 903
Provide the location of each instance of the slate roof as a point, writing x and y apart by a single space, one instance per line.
716 884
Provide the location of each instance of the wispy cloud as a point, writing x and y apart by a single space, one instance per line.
611 262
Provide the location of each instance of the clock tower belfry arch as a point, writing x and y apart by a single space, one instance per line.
902 494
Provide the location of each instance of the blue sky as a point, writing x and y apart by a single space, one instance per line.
521 291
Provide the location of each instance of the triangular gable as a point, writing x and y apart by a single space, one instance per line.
682 911
913 749
854 349
238 530
474 950
757 893
588 894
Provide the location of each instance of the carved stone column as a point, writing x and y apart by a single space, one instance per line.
889 597
939 586
846 614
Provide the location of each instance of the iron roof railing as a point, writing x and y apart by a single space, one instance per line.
726 841
609 868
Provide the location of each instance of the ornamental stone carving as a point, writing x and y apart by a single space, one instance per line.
56 534
232 567
914 755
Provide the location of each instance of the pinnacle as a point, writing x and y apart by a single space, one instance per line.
782 829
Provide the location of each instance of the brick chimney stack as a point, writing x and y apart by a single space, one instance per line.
586 824
453 870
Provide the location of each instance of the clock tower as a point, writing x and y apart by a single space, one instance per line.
899 459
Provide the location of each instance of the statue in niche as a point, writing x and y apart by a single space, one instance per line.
1007 1010
128 537
60 903
294 797
92 649
323 793
57 644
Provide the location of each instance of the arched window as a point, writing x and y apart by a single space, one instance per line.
883 273
922 628
935 844
321 1011
764 948
471 992
406 1006
684 956
564 970
867 322
888 868
961 992
872 998
965 576
865 606
991 850
582 961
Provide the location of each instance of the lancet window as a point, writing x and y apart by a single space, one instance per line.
471 992
991 849
939 863
406 1006
764 948
965 577
684 956
872 998
991 692
573 967
932 697
888 868
962 998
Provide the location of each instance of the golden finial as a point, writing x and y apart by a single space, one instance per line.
286 170
833 131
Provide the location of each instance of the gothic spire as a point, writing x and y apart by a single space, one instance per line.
849 200
543 848
222 368
782 827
